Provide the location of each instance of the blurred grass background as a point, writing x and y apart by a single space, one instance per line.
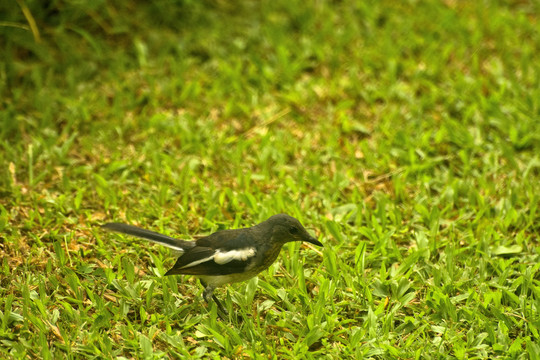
404 133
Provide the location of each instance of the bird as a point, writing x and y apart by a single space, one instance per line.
226 256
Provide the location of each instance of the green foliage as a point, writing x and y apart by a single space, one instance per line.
404 134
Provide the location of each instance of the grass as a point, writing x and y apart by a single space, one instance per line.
404 134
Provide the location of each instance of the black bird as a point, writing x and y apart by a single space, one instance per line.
227 256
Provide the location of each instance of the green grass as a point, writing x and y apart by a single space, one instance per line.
405 134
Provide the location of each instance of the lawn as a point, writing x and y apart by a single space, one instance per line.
405 135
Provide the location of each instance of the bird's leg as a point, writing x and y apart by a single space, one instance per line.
208 295
220 306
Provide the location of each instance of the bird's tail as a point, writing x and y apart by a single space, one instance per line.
176 244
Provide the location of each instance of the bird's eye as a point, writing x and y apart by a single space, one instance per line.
293 230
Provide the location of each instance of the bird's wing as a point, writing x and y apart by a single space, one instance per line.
228 239
222 253
194 257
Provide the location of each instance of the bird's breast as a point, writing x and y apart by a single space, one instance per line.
266 255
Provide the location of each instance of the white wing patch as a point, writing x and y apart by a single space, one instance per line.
223 257
197 262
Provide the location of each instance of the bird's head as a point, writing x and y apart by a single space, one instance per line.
286 229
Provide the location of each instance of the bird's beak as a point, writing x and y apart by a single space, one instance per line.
313 241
